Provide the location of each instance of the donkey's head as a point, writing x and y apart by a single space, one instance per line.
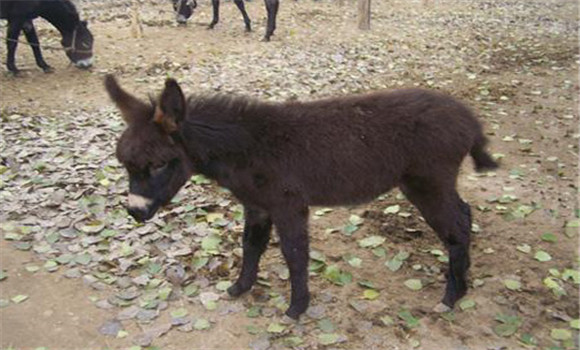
183 9
78 45
150 148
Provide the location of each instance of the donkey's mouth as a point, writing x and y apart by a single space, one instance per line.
142 214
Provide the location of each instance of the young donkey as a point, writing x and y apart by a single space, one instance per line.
280 158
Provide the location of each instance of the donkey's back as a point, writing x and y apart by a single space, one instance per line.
349 150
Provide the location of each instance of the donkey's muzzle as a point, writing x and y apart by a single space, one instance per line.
140 215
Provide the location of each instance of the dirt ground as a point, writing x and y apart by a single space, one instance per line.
73 265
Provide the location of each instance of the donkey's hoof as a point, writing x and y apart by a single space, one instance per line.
236 290
48 69
266 39
441 308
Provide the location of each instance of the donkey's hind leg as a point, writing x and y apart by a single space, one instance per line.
450 217
242 8
32 38
257 228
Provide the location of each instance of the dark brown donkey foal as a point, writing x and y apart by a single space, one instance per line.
280 158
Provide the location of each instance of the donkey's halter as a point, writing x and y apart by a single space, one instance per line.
72 48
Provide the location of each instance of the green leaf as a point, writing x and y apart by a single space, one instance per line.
524 248
350 229
164 293
211 243
528 339
371 242
571 228
355 220
387 320
317 256
336 276
83 259
512 284
275 327
575 324
505 329
179 313
325 325
328 338
253 311
3 275
410 320
466 304
201 324
542 256
19 298
394 264
414 284
223 285
549 237
393 209
292 341
191 290
560 334
353 260
371 294
571 274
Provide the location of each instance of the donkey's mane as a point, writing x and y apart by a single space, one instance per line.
222 125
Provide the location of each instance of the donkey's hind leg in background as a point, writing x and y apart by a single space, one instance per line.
32 39
257 228
450 217
272 9
242 8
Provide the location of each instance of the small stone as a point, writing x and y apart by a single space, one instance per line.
262 343
441 308
128 313
111 328
316 312
72 273
104 304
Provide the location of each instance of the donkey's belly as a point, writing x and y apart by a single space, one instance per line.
356 191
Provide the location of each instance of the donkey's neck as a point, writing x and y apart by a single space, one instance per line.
222 127
61 14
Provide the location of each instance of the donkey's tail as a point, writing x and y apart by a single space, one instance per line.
481 158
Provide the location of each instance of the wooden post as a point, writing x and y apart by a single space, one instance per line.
364 14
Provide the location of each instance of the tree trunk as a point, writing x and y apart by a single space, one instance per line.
364 14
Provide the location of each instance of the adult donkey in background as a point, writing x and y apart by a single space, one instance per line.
184 10
280 158
77 40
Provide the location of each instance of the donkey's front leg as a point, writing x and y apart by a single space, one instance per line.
292 229
12 34
216 13
257 228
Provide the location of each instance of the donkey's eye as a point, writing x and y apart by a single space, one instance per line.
158 170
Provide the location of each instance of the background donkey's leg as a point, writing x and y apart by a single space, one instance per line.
257 228
450 217
32 38
242 8
291 224
216 13
12 34
272 9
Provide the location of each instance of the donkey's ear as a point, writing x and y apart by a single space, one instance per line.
171 108
131 107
